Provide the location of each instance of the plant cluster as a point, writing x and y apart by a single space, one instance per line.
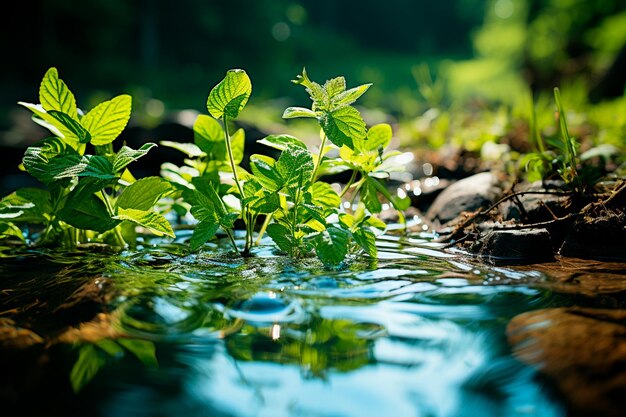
94 197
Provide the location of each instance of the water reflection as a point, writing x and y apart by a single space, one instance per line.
421 334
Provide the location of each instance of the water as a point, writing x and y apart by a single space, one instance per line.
419 332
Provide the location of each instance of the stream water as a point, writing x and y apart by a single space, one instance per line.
418 332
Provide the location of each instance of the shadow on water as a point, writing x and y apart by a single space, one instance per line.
419 332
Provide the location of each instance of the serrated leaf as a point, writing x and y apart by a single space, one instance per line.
209 136
144 193
127 155
366 240
152 221
350 96
202 232
108 119
74 165
335 86
375 223
295 166
72 125
281 236
42 118
282 142
190 149
324 195
295 112
378 136
316 212
55 95
87 212
230 96
268 203
316 92
263 168
331 245
38 156
343 125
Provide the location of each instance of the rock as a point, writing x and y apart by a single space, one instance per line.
469 194
583 351
516 246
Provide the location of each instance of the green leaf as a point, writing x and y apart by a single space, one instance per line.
369 196
108 119
89 362
263 167
38 156
230 96
237 144
295 112
335 86
366 239
42 118
316 92
348 97
127 155
86 211
295 166
72 125
209 136
202 232
281 236
155 222
144 193
8 230
282 142
343 125
144 350
28 205
190 149
55 95
331 245
74 165
378 136
324 195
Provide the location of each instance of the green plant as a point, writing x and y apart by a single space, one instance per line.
298 208
86 196
558 156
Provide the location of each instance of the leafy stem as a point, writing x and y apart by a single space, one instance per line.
319 159
349 184
116 229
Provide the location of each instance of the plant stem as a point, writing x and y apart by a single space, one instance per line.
116 229
232 239
266 223
244 207
319 159
349 184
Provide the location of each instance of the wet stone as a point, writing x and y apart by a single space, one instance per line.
516 246
583 351
469 194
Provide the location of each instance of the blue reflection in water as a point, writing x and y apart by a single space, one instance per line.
420 332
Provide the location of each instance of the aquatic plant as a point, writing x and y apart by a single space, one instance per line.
85 196
302 213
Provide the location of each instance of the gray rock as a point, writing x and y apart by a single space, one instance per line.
516 246
469 194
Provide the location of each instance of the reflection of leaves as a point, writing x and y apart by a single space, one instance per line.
328 345
93 357
89 362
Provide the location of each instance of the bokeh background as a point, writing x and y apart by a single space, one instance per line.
419 54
